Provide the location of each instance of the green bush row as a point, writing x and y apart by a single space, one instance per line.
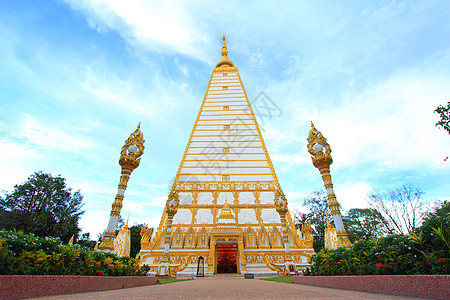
391 255
26 254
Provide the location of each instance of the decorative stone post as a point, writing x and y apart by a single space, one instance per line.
171 209
282 209
242 255
212 249
320 152
129 160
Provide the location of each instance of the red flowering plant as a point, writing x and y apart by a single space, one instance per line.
390 255
424 251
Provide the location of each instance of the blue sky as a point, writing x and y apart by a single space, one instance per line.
76 77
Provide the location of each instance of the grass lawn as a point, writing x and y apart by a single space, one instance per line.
286 279
169 280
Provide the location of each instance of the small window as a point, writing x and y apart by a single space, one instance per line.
226 127
225 177
226 107
224 73
225 88
226 150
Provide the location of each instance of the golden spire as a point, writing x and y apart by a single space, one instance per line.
328 223
224 60
224 47
126 225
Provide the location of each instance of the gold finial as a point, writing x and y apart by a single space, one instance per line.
126 225
224 53
328 223
224 47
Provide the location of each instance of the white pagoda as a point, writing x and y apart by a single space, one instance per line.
226 210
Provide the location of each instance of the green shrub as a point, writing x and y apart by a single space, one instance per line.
26 254
425 251
392 255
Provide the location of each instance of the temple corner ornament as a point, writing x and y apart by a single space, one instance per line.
280 202
331 237
321 158
170 209
122 242
130 158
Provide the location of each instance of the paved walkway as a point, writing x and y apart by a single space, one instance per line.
227 288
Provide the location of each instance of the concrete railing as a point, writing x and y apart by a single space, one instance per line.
26 286
426 286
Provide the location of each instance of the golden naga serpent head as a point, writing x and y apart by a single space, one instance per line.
319 149
132 150
306 229
280 201
172 202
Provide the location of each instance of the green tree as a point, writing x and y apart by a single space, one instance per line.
43 206
317 204
85 241
135 236
363 224
439 218
444 114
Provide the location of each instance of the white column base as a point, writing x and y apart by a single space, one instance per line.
289 267
163 268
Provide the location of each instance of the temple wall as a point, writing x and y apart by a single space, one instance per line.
246 198
204 216
225 112
247 216
205 198
270 216
185 198
229 163
228 196
266 197
231 171
220 127
235 149
183 216
214 155
224 137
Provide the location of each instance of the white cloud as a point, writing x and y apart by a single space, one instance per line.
388 125
296 198
392 124
353 195
52 139
155 25
17 163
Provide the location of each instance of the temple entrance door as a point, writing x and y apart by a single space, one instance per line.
227 259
